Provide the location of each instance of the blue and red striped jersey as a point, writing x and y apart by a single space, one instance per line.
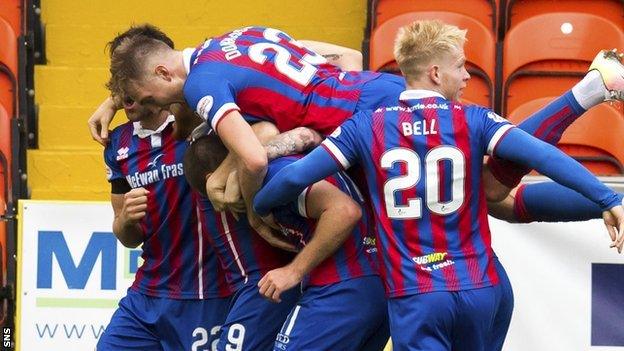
356 258
242 253
178 260
270 76
423 160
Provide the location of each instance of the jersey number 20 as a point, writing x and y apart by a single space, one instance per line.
301 75
413 209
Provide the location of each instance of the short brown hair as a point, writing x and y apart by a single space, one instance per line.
418 43
128 61
202 157
145 29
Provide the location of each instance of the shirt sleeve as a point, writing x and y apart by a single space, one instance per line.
491 126
341 145
210 96
113 171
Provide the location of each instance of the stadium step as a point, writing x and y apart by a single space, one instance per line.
69 164
67 174
65 127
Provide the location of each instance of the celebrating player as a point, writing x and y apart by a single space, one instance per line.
423 160
338 272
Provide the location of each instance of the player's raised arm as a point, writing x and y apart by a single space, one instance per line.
337 214
520 147
346 59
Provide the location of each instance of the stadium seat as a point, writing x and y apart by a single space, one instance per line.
484 11
8 67
5 150
547 54
480 50
516 11
595 139
11 11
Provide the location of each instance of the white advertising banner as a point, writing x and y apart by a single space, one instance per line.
568 286
71 272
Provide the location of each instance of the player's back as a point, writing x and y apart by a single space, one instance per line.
242 253
266 74
355 258
423 162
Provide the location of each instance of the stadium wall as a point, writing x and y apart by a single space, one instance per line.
68 164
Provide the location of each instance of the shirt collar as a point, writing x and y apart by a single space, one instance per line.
144 133
413 94
187 54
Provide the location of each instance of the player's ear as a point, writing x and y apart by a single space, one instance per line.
163 72
434 74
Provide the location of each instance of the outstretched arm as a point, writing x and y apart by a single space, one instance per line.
337 215
520 147
292 179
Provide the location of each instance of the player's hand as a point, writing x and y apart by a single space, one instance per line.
275 282
215 189
232 196
100 121
268 234
270 221
134 206
614 221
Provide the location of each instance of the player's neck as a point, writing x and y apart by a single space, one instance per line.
154 121
178 64
420 85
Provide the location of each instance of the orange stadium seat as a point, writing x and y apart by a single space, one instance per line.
480 50
8 67
5 150
11 11
547 54
483 11
595 139
517 11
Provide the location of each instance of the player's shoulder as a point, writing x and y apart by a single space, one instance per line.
121 135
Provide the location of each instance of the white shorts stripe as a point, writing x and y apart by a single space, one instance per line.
291 323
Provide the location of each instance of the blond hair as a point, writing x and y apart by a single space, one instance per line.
418 43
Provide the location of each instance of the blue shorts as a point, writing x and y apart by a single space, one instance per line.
443 320
253 321
382 91
468 320
152 323
349 315
505 303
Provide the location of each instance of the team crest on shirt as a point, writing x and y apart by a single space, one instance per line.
122 153
336 132
204 105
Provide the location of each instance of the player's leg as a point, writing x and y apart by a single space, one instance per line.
603 82
422 321
356 308
132 325
477 309
192 324
505 304
253 321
